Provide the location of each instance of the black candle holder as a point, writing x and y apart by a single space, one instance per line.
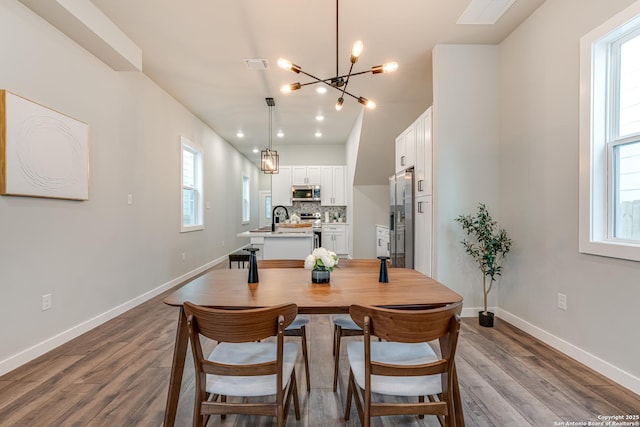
253 265
384 271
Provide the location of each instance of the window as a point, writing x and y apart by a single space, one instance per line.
191 173
610 138
246 205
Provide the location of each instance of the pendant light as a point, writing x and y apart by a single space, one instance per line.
270 160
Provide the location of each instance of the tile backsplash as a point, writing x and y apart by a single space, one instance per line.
313 207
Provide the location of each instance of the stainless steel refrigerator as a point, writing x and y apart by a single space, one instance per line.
401 219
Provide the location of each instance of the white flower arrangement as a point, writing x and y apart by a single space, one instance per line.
321 258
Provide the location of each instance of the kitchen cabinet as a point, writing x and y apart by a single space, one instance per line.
334 238
281 245
333 188
306 175
406 149
281 187
383 245
424 154
423 241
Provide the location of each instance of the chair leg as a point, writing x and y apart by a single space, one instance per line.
441 418
292 392
347 411
457 402
305 356
200 397
223 399
421 400
296 400
357 397
336 366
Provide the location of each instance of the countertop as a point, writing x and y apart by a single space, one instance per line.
276 234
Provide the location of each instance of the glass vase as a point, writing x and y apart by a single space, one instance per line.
320 275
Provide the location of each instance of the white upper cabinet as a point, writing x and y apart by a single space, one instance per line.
281 187
306 175
333 189
406 149
401 149
424 155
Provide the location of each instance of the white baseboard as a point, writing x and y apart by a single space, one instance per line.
603 367
473 311
49 344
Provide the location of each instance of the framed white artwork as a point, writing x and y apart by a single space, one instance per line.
43 153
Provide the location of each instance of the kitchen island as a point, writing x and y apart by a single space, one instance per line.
280 244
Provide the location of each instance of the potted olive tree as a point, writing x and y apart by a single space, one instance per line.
488 246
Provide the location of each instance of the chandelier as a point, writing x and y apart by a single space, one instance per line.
270 160
338 82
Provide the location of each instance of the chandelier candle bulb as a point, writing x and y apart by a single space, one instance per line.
356 51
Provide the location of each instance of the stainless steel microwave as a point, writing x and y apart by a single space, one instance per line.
305 193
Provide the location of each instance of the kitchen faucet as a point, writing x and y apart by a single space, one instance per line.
273 216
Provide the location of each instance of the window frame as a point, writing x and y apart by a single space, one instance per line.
597 139
187 145
246 198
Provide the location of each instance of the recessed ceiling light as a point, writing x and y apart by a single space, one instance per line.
321 89
255 150
240 134
280 134
319 117
318 134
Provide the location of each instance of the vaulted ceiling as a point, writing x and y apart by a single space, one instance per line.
195 50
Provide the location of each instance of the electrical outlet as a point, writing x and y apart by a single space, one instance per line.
46 302
129 199
562 301
223 243
184 256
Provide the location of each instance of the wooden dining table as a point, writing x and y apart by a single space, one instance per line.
229 289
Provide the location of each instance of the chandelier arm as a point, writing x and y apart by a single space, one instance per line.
346 83
354 74
347 93
312 76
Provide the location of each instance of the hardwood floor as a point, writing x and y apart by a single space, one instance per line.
117 375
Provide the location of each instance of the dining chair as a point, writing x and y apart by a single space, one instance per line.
359 262
343 325
404 364
298 327
240 367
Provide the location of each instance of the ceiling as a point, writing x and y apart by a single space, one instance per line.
195 50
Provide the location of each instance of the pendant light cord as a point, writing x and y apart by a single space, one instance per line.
270 126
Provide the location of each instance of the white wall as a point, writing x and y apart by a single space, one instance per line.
539 87
96 257
466 156
371 206
351 154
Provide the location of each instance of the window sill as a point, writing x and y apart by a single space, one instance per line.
612 249
190 228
